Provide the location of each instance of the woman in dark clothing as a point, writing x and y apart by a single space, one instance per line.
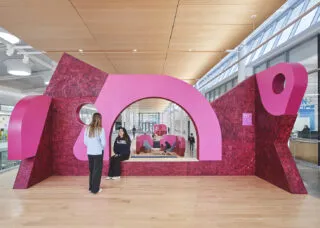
121 149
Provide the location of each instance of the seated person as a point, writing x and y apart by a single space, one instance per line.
147 147
168 148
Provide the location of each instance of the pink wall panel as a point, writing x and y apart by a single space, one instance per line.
26 126
282 88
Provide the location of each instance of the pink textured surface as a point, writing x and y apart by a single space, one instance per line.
288 101
157 86
274 161
26 126
140 139
35 169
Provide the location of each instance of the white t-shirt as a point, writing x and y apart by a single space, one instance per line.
96 144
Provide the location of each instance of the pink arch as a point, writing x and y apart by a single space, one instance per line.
119 91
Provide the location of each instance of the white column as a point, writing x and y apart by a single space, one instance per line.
241 64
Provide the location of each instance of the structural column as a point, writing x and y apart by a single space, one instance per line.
241 64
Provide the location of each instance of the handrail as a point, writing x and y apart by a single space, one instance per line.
263 43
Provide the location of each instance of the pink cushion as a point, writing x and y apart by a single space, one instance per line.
140 139
181 146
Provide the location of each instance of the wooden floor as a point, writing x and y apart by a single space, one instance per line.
195 202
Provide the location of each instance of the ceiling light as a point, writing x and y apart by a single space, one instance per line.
134 50
25 59
9 38
47 82
19 72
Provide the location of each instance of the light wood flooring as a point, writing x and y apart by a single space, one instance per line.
164 202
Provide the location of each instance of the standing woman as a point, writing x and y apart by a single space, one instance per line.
95 140
121 149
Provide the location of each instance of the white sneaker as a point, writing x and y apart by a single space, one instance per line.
115 178
108 178
100 190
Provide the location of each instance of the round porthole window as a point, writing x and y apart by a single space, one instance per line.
86 112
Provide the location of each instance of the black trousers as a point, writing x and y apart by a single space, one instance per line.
115 165
95 168
191 147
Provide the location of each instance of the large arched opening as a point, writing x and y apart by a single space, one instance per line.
119 91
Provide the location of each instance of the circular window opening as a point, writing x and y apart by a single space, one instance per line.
279 83
86 112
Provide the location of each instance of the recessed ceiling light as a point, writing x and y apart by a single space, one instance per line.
9 37
19 72
134 50
80 50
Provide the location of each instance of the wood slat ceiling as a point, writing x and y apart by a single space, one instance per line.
181 38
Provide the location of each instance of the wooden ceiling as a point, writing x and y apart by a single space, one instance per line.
148 105
181 38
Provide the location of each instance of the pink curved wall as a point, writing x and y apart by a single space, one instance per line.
26 126
119 91
286 102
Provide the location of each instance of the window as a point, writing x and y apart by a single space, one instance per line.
234 82
260 68
312 3
257 53
279 26
269 45
306 54
223 89
213 95
279 59
229 85
306 21
286 33
217 92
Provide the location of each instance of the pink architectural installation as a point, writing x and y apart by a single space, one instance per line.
225 145
26 126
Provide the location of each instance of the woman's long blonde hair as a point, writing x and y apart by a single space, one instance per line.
96 125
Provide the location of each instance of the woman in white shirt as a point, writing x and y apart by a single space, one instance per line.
95 140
